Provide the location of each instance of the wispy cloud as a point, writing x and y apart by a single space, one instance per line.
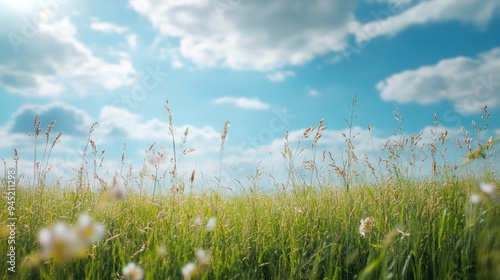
279 76
312 92
132 40
242 102
390 22
107 27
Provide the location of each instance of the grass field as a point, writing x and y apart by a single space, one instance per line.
397 226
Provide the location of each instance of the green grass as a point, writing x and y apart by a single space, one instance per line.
307 228
312 234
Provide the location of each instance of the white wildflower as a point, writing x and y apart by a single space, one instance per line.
89 231
132 271
367 225
189 270
475 198
202 257
212 222
63 243
487 188
161 251
198 221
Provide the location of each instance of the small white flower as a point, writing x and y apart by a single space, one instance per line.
132 271
84 221
212 222
63 243
44 237
60 243
475 198
161 251
89 231
189 270
367 225
487 188
198 221
202 257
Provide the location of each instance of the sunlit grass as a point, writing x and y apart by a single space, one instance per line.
421 230
389 224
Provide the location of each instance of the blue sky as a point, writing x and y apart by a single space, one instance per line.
267 66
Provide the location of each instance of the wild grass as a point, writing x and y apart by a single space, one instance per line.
444 225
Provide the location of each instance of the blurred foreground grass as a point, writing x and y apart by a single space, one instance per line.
422 230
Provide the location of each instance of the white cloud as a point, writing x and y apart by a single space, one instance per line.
258 35
134 127
115 125
118 125
107 27
132 40
392 21
240 163
467 82
56 61
280 76
72 122
69 120
171 54
266 35
242 102
400 2
312 92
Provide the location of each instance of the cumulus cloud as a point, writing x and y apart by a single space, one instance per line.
114 125
69 120
114 120
467 82
280 76
243 102
257 35
72 122
56 61
266 35
391 21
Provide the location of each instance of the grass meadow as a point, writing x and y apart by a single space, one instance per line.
385 223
